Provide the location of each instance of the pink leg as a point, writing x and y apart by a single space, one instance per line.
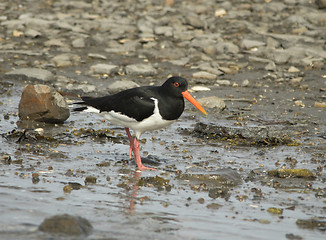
131 142
136 150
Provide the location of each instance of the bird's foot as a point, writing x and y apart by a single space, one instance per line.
142 168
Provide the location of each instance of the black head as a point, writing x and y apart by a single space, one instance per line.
175 86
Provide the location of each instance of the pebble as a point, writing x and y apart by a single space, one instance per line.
204 75
78 43
245 83
212 102
249 44
293 69
200 88
31 74
65 59
118 86
223 82
320 104
43 104
97 56
140 69
32 33
102 68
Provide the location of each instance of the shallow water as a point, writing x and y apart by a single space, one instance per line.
118 208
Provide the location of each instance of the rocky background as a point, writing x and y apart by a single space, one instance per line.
257 161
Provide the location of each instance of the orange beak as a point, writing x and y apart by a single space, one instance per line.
187 96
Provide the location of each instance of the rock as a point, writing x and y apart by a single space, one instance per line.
212 102
204 75
312 223
43 104
122 85
90 180
321 3
54 43
66 224
223 82
102 68
271 66
227 47
220 12
245 83
249 44
320 104
293 69
86 88
164 30
195 21
78 43
140 69
65 59
32 33
260 135
31 74
97 56
275 211
200 88
292 173
180 62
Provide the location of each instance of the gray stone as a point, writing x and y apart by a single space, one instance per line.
65 59
271 66
55 43
145 26
212 102
78 43
204 75
32 33
43 104
31 74
223 82
140 69
180 62
97 56
321 3
227 47
67 225
102 68
164 30
249 44
118 86
86 88
195 21
245 83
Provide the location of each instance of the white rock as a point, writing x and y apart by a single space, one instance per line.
200 88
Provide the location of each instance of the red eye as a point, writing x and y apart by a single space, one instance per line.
176 84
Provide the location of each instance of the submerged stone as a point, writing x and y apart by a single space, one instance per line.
292 173
66 224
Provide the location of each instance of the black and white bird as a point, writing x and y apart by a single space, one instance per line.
143 109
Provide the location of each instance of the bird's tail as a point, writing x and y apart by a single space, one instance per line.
84 102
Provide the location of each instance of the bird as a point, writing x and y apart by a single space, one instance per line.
141 109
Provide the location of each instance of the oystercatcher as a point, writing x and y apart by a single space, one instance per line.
143 109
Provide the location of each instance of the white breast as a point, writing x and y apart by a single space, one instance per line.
151 123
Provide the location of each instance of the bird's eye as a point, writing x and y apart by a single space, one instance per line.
176 84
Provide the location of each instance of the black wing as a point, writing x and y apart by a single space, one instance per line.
136 103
